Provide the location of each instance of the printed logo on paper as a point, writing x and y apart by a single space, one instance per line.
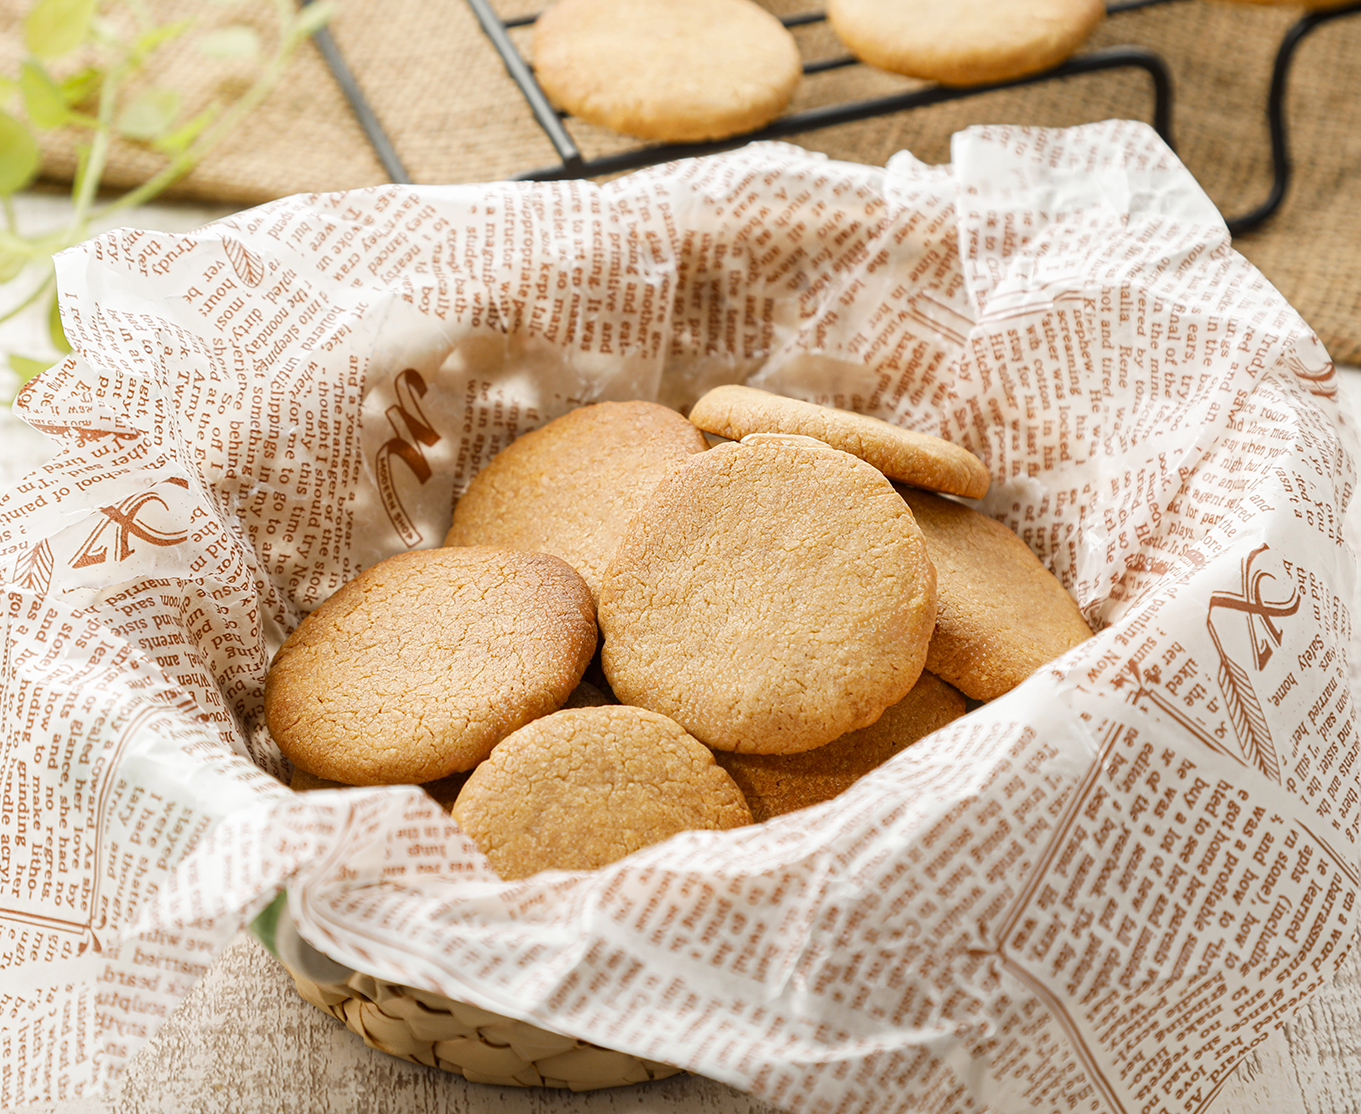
35 569
131 518
1309 360
248 266
410 431
1243 624
1251 609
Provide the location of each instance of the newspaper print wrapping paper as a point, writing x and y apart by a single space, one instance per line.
1094 894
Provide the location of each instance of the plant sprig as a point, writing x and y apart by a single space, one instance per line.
115 94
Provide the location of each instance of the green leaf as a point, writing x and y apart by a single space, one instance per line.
82 167
18 155
150 114
173 142
265 927
11 263
235 41
54 329
150 39
43 101
311 18
8 88
56 27
26 368
81 86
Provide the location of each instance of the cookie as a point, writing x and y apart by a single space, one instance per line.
586 786
570 487
966 42
1001 614
772 595
1307 5
657 69
774 784
913 458
417 667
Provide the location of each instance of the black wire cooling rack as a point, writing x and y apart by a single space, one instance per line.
573 164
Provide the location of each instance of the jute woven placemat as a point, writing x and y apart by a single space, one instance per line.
453 114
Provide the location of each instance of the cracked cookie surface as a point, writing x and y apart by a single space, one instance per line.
418 666
1001 614
774 784
570 487
586 786
772 595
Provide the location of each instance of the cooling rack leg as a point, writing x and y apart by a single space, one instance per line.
1275 111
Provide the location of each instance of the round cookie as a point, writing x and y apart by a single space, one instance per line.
772 595
1001 613
418 666
900 454
570 487
1307 5
658 69
965 42
586 786
774 784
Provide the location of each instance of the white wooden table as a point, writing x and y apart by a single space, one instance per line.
244 1042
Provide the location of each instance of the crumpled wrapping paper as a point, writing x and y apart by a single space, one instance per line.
1096 893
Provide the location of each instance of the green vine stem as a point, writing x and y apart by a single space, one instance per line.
55 28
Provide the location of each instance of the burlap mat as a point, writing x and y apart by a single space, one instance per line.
454 115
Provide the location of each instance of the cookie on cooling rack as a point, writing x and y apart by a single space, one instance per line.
658 69
964 42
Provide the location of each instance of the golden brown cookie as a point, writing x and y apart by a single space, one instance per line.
586 786
1308 5
570 487
418 666
772 595
900 454
964 42
774 784
1001 614
658 69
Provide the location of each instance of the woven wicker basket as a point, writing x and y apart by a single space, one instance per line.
430 1029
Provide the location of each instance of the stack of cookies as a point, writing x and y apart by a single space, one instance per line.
775 617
